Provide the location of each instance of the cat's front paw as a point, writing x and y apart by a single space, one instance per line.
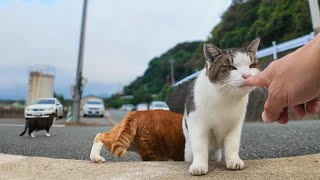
198 169
235 164
97 159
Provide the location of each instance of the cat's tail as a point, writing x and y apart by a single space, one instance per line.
126 134
25 129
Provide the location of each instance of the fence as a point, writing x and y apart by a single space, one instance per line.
11 112
273 50
291 44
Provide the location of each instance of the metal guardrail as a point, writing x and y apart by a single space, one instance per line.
196 74
273 50
291 44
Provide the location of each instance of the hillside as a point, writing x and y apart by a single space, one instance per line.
158 72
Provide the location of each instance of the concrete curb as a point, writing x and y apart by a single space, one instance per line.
20 167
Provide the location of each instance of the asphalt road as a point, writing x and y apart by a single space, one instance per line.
117 115
259 140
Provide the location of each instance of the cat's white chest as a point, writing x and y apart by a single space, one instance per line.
222 117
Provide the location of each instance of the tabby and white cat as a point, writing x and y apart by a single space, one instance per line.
156 135
216 107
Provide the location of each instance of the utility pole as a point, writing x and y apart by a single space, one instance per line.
315 15
78 86
172 72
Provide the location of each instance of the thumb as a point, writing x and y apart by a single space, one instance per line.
275 108
258 80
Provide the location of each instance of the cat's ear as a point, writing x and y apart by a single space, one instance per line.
253 46
210 52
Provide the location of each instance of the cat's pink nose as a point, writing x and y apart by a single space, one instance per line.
245 76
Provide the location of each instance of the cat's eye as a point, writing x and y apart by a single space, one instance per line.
231 67
254 65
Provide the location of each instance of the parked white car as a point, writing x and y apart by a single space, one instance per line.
142 107
127 107
43 108
158 105
93 107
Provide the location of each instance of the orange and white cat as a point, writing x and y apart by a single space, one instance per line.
156 135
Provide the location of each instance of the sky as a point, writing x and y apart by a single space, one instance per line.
121 38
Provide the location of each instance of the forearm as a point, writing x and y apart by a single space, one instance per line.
311 52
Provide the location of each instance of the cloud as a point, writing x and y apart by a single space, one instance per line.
122 37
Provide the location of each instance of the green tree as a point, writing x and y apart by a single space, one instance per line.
60 97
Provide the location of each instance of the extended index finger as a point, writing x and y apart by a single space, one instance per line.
258 80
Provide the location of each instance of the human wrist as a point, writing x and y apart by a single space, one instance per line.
310 53
315 51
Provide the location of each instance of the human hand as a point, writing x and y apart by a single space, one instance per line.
293 82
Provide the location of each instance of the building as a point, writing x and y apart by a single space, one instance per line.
41 85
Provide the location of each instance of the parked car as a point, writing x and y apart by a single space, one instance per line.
43 108
158 105
93 107
142 107
127 107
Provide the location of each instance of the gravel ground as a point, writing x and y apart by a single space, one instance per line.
259 140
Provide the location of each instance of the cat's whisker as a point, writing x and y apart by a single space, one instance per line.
233 93
234 90
230 93
229 83
232 81
224 85
226 88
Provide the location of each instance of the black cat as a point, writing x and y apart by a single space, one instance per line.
37 124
